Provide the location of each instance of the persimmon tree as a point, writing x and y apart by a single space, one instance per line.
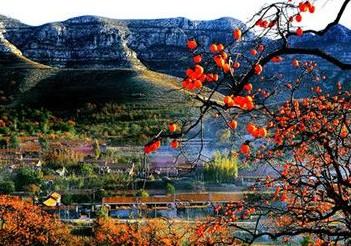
27 224
305 139
309 149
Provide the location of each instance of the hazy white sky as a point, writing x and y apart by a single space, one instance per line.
36 12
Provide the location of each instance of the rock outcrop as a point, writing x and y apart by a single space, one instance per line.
96 42
91 41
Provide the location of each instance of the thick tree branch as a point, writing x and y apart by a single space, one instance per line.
294 51
331 24
314 52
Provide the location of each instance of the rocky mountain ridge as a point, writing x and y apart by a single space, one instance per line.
90 41
97 42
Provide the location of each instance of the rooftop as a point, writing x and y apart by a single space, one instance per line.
181 197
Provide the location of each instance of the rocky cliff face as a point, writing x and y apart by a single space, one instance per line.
97 42
91 41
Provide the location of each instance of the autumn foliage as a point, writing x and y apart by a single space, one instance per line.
147 232
27 224
310 148
315 175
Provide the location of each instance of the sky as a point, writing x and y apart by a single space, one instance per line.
37 12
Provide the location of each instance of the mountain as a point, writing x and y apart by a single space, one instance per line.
94 42
159 44
126 102
50 58
91 59
335 41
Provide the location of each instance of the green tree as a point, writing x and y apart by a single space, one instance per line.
223 168
67 199
86 169
97 150
26 176
170 189
142 193
14 142
102 212
100 193
7 187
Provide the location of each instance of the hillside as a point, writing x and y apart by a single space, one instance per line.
72 88
17 73
125 104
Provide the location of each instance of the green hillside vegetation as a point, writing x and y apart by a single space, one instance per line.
70 89
19 74
125 106
128 123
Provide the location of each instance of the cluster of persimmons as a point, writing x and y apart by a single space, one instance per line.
212 64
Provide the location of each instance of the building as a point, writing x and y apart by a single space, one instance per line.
255 174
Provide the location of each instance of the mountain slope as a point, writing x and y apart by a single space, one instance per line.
70 89
17 73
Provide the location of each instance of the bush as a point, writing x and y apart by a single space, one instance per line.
4 130
86 169
26 176
64 127
62 158
142 193
170 189
32 188
7 187
306 241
